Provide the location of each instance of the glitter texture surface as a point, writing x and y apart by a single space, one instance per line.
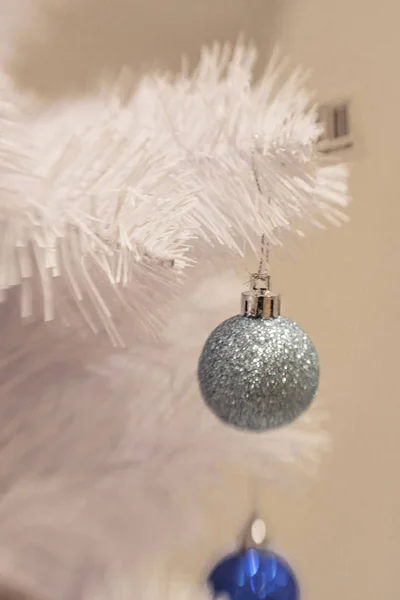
258 374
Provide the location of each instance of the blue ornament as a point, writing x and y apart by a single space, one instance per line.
254 574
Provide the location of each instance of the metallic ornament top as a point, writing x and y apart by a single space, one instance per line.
261 304
258 371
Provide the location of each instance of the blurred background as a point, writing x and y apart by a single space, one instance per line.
343 285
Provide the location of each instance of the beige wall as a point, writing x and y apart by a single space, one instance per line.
70 44
343 531
344 288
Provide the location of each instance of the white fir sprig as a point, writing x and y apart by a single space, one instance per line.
100 196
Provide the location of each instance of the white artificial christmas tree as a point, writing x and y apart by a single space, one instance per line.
120 215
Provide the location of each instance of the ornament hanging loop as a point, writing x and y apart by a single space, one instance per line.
259 301
263 268
261 280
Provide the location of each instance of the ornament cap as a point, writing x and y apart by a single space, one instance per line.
261 304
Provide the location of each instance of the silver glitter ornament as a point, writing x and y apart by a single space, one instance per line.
258 370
